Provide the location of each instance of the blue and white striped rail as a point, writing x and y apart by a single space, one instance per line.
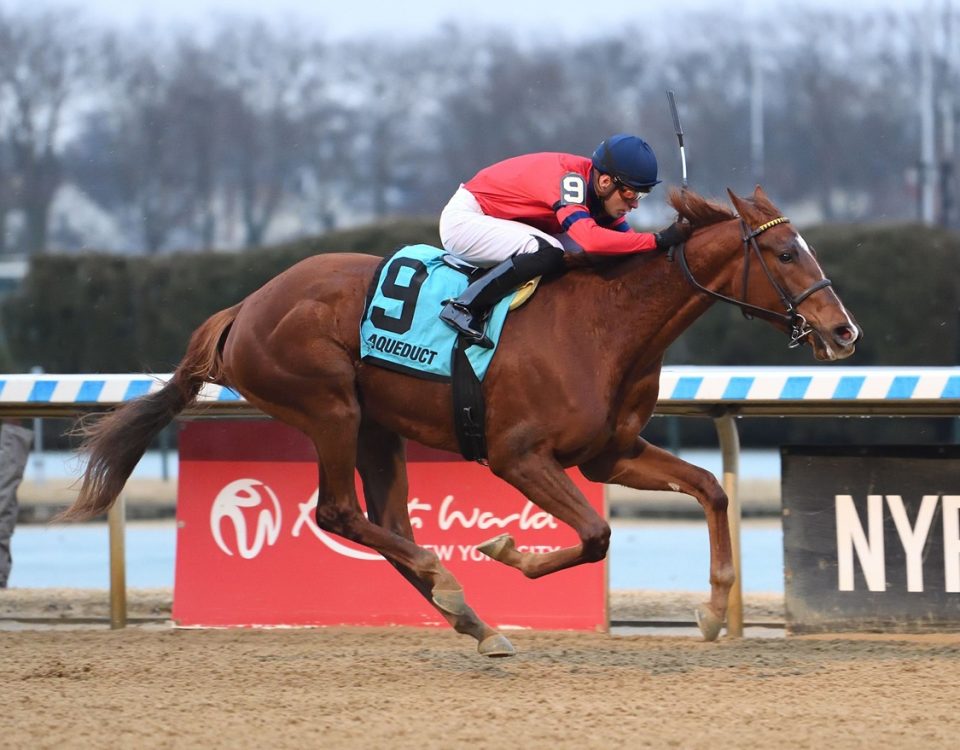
80 392
735 384
811 390
686 389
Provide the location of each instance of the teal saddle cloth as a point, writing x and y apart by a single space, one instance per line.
400 329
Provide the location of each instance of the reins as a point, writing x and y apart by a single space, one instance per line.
799 328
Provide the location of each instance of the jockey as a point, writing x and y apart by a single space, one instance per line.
519 215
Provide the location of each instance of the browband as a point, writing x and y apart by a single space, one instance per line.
772 223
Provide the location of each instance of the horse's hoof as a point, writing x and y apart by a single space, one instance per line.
452 602
708 622
494 548
496 645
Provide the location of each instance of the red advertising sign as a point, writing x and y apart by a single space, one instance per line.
249 551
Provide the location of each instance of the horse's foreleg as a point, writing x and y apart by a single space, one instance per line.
652 468
382 466
543 481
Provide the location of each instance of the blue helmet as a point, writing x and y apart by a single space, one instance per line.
629 159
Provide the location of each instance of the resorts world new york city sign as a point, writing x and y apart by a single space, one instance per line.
872 538
250 552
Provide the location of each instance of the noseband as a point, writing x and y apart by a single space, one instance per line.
799 328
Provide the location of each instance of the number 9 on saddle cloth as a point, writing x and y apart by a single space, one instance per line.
400 331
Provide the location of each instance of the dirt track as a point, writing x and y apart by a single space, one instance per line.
409 688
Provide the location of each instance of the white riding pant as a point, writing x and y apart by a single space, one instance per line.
467 232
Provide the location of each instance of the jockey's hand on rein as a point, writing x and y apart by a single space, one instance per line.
674 234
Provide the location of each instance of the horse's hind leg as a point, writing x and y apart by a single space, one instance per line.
382 465
652 468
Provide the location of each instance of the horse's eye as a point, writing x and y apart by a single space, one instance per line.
785 258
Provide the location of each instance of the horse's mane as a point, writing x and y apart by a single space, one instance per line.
690 206
696 209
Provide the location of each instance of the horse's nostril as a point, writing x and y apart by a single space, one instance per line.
845 334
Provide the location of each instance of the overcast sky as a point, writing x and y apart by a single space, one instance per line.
340 18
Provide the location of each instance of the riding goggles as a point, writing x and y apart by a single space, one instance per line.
631 193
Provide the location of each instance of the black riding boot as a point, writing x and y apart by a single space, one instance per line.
467 313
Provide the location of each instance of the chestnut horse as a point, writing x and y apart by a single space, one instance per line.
573 382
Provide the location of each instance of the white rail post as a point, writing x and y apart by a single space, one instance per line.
116 517
730 449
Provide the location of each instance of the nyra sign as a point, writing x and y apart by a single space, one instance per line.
867 546
872 538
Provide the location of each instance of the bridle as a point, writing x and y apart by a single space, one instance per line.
799 328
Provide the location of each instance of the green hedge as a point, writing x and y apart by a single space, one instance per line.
108 313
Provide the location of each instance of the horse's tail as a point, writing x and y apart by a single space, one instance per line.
114 442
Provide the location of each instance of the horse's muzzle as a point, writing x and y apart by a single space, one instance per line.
839 343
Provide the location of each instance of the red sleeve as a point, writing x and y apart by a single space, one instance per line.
597 240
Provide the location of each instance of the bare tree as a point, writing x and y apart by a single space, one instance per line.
201 141
46 58
841 114
273 76
327 167
146 184
393 98
6 176
6 187
201 106
511 103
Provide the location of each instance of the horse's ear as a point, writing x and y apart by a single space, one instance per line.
763 203
743 206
